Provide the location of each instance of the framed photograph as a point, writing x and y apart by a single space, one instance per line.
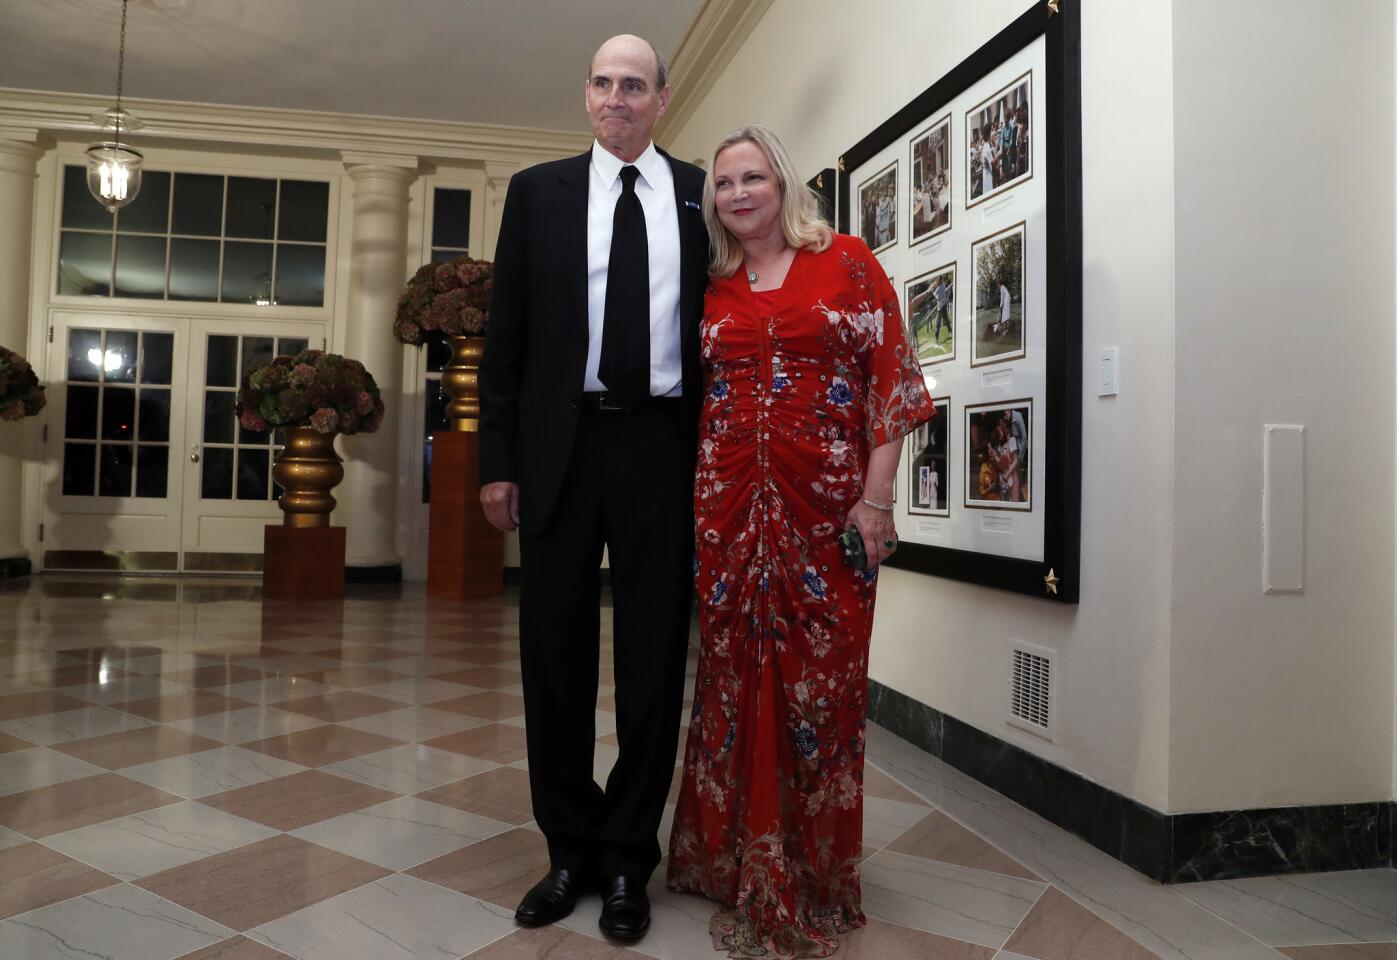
931 314
998 455
998 287
930 189
928 455
999 255
878 209
997 135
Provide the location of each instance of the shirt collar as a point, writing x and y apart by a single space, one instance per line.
608 165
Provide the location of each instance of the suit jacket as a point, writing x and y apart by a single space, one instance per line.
536 342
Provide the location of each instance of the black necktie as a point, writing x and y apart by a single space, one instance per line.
625 338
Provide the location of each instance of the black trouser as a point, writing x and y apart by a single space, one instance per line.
628 488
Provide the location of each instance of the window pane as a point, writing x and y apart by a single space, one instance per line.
120 359
152 471
155 415
119 414
216 480
85 264
248 436
257 352
444 256
222 362
247 273
305 209
193 269
157 357
438 350
251 208
451 218
140 267
79 469
115 478
84 354
290 346
300 276
433 421
80 208
150 211
80 419
252 474
218 416
198 205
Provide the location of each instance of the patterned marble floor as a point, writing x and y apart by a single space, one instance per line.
187 772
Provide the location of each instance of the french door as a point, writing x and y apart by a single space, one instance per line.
147 467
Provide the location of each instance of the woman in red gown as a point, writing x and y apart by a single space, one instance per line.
811 386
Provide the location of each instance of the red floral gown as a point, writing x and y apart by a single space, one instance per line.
801 383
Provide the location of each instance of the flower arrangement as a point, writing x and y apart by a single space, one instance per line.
324 391
452 297
21 393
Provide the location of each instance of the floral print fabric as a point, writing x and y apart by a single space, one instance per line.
802 382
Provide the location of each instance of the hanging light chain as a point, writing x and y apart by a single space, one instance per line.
120 70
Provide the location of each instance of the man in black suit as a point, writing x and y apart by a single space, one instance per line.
590 389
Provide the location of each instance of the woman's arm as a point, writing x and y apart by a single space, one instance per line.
876 526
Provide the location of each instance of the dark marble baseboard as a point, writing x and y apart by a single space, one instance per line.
1168 848
13 568
387 573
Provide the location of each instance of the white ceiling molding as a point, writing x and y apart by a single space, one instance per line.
66 115
715 36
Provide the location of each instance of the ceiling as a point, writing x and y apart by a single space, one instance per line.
515 62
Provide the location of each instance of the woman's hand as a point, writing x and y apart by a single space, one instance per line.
877 529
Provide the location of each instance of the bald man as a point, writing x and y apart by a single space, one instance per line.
590 391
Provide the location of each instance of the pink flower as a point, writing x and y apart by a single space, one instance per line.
302 375
14 410
363 403
324 420
252 422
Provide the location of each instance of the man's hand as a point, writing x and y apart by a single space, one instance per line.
501 503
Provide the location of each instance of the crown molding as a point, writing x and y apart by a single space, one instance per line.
712 40
60 114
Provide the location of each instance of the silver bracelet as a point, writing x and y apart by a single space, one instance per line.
876 505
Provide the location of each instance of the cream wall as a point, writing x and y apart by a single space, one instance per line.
944 643
1283 132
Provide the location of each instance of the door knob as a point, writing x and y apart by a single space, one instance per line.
193 458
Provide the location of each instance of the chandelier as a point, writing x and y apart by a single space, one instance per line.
114 168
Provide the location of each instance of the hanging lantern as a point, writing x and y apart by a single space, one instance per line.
113 167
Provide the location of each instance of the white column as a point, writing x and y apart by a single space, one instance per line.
17 173
497 176
368 495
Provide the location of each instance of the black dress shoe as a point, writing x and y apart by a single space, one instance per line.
551 899
625 908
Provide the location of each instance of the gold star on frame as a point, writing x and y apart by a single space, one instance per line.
1051 581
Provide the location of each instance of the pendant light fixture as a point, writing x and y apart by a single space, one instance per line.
114 168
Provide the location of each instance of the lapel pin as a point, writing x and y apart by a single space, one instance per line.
691 203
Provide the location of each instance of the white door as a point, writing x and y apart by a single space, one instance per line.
147 466
228 493
112 481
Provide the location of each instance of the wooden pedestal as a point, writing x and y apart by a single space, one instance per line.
465 555
303 563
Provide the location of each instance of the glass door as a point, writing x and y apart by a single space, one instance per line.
112 484
228 493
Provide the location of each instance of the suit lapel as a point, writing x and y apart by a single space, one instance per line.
572 210
684 195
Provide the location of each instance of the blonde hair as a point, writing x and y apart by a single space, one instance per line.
800 209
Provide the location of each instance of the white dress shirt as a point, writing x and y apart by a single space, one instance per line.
655 188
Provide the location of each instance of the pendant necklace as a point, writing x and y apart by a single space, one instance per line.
751 276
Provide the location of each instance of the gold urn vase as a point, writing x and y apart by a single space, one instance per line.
307 470
460 382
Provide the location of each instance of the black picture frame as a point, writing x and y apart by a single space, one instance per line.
823 185
1056 576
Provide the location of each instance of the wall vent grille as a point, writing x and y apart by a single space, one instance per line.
1031 689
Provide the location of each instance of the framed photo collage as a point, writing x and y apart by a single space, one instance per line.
970 197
